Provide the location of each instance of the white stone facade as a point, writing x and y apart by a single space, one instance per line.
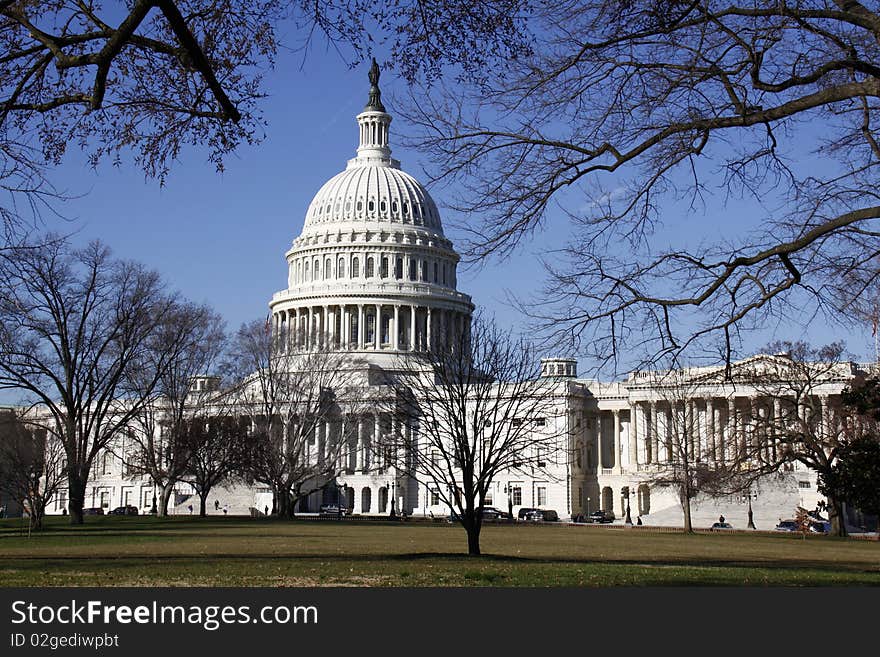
372 274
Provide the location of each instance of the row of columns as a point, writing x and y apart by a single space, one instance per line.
718 429
361 448
399 327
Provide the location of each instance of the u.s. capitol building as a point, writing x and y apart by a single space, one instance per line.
373 277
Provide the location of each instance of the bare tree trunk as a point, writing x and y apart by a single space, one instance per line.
836 516
77 491
473 536
686 507
203 504
165 495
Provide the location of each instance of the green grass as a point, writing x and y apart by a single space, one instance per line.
185 551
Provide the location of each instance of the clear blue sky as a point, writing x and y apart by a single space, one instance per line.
221 238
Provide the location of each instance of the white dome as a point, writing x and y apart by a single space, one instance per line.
372 193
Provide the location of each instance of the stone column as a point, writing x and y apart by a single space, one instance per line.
635 435
359 464
652 448
325 330
361 344
344 327
375 448
730 430
396 337
710 428
428 329
777 423
310 333
413 345
377 327
615 440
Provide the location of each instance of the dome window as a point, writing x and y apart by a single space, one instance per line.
328 268
383 273
360 206
307 271
383 206
340 268
412 270
398 268
394 207
370 268
355 268
348 206
371 206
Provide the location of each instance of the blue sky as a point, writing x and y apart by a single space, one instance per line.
221 238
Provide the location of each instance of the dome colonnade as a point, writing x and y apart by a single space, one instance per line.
372 270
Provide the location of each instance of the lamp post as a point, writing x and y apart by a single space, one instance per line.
628 517
588 507
748 496
391 488
340 496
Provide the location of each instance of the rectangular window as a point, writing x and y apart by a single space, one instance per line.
542 495
106 463
61 503
435 498
412 270
398 269
516 494
384 272
803 484
488 498
540 422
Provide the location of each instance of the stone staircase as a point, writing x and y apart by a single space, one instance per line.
237 499
775 501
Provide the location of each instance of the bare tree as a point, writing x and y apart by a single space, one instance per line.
799 417
217 447
289 396
156 441
631 114
31 466
480 411
149 78
686 460
75 325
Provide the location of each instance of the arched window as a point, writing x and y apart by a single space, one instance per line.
317 269
328 268
340 268
424 273
355 267
383 273
435 271
412 269
398 268
370 268
307 272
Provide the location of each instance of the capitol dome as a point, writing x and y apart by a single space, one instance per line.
364 193
372 271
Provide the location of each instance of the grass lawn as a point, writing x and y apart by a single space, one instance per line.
186 551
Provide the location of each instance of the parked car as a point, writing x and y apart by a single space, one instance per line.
601 516
124 511
546 515
787 526
492 513
93 511
524 513
820 527
720 526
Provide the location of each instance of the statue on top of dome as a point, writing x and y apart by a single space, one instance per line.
375 101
